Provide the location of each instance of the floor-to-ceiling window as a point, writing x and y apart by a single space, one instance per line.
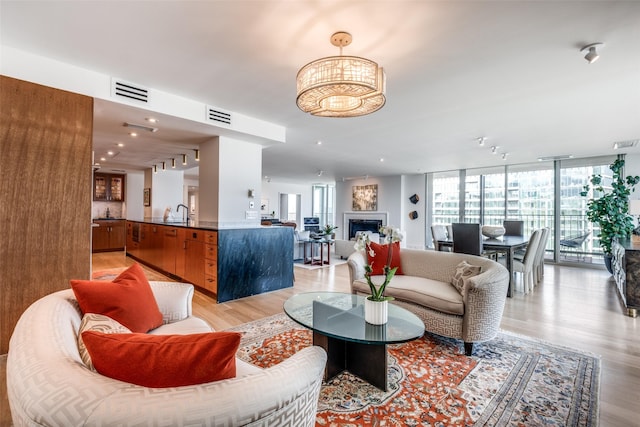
446 197
526 192
323 203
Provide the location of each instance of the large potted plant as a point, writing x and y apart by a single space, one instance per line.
609 208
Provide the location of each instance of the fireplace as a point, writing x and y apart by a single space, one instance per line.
372 225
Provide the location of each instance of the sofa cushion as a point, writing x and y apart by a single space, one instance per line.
164 360
464 270
128 299
434 294
380 255
100 323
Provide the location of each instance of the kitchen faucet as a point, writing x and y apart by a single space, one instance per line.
186 209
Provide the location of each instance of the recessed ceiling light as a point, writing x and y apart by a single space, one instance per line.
152 120
103 159
120 144
381 159
133 134
110 153
318 142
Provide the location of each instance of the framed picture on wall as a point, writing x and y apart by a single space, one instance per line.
365 197
146 197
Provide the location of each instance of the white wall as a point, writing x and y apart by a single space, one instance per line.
134 189
389 198
229 168
166 192
414 229
271 192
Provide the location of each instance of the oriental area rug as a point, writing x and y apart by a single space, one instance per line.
509 381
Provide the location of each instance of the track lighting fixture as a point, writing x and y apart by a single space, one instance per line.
592 55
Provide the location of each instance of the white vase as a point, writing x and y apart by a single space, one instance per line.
376 312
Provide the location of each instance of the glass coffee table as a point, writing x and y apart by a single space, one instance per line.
338 325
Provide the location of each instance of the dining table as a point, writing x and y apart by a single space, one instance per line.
508 245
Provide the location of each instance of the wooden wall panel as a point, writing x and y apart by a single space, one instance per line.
45 194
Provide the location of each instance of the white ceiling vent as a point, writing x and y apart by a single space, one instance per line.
130 91
625 144
217 116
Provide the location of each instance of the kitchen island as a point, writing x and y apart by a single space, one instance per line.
229 263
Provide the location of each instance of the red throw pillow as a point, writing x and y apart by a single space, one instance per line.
379 259
164 360
128 299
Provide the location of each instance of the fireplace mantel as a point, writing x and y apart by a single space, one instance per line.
346 216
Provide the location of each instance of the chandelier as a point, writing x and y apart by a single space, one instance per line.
341 86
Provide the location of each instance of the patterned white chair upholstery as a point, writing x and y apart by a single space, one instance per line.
425 289
48 385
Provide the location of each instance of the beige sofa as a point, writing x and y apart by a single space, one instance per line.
426 290
48 384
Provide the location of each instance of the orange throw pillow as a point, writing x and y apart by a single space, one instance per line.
379 259
164 360
128 299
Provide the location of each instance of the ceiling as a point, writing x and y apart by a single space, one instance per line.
510 71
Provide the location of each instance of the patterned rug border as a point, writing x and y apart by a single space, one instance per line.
583 410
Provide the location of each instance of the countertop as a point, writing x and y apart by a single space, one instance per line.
205 225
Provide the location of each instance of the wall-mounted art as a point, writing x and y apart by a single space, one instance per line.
365 197
264 206
146 197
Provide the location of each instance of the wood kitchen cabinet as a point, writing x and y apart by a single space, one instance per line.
194 257
109 235
169 249
108 187
211 261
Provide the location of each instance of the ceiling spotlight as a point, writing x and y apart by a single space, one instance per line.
133 134
591 55
155 168
381 159
197 155
320 172
184 159
318 142
152 120
494 149
120 144
164 166
173 163
504 156
481 141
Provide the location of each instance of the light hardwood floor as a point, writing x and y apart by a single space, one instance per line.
573 307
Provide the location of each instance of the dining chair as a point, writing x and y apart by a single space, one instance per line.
438 232
526 266
538 263
467 238
513 227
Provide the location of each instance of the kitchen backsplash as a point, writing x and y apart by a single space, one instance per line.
116 210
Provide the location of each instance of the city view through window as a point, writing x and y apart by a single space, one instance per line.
528 193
